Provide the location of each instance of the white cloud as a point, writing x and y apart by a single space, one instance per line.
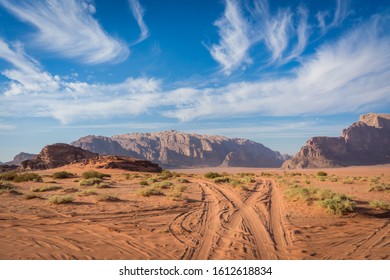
231 52
348 75
138 13
69 29
339 16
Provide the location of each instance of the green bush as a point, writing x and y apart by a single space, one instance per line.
322 173
20 177
144 183
94 174
379 204
162 185
62 175
87 192
5 187
150 191
221 180
380 187
338 205
106 197
176 191
166 174
30 196
8 176
183 180
61 199
212 175
90 181
45 189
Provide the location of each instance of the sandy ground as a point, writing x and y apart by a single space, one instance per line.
206 221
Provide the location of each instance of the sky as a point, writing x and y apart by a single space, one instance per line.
276 72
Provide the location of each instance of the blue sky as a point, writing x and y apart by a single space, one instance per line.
276 72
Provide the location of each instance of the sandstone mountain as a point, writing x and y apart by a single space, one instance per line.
179 149
118 162
19 158
56 155
365 142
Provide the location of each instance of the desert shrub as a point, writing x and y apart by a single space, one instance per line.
248 179
221 180
299 193
127 176
144 183
61 199
176 191
106 197
375 179
183 180
62 175
334 179
293 174
235 183
8 176
245 174
150 191
162 185
307 182
379 204
379 187
338 204
30 196
321 179
265 174
5 187
20 177
212 175
152 180
166 174
322 173
102 185
87 192
348 182
94 174
90 181
45 189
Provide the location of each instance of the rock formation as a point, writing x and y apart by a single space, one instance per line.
179 149
19 158
119 162
56 155
365 142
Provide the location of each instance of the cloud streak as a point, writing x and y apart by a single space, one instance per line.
348 75
68 29
138 13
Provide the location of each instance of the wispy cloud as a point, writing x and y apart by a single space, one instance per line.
138 13
69 29
283 39
231 51
339 16
347 75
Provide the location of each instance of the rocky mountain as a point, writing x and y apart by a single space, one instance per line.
365 142
118 162
179 149
56 155
19 158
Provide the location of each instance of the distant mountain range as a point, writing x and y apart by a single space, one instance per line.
19 158
178 149
366 142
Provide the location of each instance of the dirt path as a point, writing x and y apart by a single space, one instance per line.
230 227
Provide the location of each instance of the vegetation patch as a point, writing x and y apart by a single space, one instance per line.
177 191
379 204
20 177
90 181
94 174
61 199
62 175
333 202
87 192
6 187
162 185
183 180
379 187
45 189
144 183
322 173
31 196
150 191
166 174
107 197
212 175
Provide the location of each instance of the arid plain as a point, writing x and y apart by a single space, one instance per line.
213 213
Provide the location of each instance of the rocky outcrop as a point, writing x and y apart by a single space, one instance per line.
366 142
56 155
179 149
119 162
6 167
20 157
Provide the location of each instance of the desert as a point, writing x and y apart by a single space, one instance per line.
206 213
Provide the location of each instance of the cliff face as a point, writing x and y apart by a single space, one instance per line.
178 149
56 155
365 142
